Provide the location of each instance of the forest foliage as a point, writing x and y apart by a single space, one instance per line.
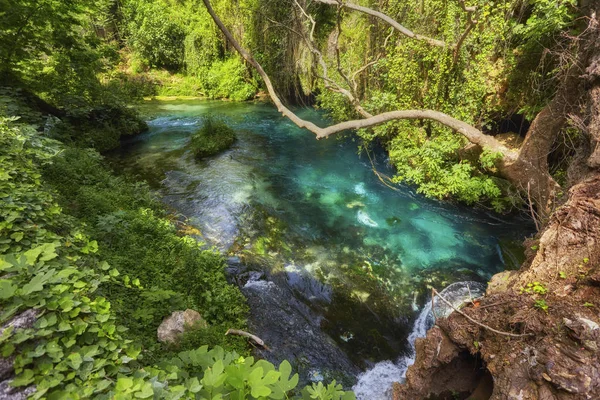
508 65
96 256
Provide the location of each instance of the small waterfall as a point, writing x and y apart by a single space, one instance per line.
375 384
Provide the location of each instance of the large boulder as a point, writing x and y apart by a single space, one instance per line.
177 323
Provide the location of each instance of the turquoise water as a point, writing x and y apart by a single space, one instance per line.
302 207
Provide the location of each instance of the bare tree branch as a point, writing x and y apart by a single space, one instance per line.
471 23
330 84
477 322
405 31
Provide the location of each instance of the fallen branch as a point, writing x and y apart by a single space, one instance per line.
477 322
250 336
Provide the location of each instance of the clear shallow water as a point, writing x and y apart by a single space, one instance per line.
314 212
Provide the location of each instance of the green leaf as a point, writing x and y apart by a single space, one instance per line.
7 289
75 360
17 236
123 384
23 379
46 250
145 392
37 283
285 384
193 385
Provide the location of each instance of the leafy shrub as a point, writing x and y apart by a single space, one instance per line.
157 40
135 237
100 127
229 79
214 137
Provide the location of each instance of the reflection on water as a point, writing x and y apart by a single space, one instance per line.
314 209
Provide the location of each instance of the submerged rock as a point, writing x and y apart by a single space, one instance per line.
364 219
293 331
177 323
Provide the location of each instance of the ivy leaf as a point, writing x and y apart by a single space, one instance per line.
7 289
23 379
75 360
17 236
145 392
123 384
193 385
37 282
46 250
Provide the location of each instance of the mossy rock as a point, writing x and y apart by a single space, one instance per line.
213 138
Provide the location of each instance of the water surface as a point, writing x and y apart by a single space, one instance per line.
315 214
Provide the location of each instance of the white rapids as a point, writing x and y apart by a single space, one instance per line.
376 383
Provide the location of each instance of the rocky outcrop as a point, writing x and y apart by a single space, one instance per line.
554 300
171 329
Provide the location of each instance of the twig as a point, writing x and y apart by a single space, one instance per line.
470 295
386 18
533 216
250 336
477 322
470 25
433 305
379 175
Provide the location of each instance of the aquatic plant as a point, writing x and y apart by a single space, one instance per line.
214 137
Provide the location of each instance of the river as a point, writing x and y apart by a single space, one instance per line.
334 263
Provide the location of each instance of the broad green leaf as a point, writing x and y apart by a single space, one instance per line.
193 385
23 379
123 384
17 236
7 289
145 392
75 360
37 282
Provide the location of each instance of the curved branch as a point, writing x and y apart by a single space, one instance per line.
472 134
403 30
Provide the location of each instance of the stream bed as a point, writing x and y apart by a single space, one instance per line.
335 265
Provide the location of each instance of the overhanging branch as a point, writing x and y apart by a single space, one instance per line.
472 134
403 30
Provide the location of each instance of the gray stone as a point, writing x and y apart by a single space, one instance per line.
171 329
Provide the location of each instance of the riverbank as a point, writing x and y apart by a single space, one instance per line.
90 264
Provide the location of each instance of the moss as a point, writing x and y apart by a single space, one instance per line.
213 138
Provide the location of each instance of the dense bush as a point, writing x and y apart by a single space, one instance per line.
100 128
229 79
134 237
154 35
213 138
